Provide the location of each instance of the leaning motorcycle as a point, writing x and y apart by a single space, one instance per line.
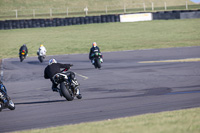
5 100
96 59
22 55
69 86
41 56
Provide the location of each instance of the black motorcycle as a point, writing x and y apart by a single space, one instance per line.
69 86
5 100
22 55
96 59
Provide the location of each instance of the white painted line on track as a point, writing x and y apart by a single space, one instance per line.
85 78
176 60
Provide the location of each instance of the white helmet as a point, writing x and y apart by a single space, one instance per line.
51 61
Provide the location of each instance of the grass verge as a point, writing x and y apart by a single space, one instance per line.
28 9
109 36
181 121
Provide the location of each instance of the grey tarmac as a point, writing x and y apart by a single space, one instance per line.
123 87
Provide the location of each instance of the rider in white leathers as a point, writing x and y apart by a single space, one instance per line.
41 51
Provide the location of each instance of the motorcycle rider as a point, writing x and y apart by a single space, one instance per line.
1 83
1 96
41 49
52 69
24 49
5 100
94 49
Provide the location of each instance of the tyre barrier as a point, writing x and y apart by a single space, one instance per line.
166 15
179 14
37 23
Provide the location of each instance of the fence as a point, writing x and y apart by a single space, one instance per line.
101 10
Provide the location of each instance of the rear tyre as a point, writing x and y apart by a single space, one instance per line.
40 58
21 58
66 92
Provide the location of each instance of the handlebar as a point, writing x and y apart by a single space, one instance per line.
64 70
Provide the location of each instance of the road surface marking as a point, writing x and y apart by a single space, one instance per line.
178 60
85 78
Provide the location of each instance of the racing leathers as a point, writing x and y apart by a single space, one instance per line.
92 51
41 51
53 69
23 48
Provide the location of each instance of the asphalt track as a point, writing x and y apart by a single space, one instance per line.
123 87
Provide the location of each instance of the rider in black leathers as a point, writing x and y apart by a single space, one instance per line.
23 47
1 83
52 69
94 49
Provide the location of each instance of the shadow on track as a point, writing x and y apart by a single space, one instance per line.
40 102
150 92
37 62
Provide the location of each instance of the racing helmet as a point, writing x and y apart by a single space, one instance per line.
51 61
41 45
94 44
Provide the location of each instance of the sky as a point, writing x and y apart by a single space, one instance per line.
197 1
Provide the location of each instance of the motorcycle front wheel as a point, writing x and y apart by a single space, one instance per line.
11 105
66 92
1 107
98 63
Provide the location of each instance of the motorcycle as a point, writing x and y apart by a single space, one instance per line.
97 60
69 86
22 55
5 100
41 56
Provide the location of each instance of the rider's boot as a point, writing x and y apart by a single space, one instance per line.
54 87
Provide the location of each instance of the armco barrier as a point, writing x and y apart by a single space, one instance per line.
36 23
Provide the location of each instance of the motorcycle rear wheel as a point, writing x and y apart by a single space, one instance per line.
41 58
21 58
65 92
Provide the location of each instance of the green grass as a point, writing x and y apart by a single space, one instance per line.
181 121
26 8
44 4
109 36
